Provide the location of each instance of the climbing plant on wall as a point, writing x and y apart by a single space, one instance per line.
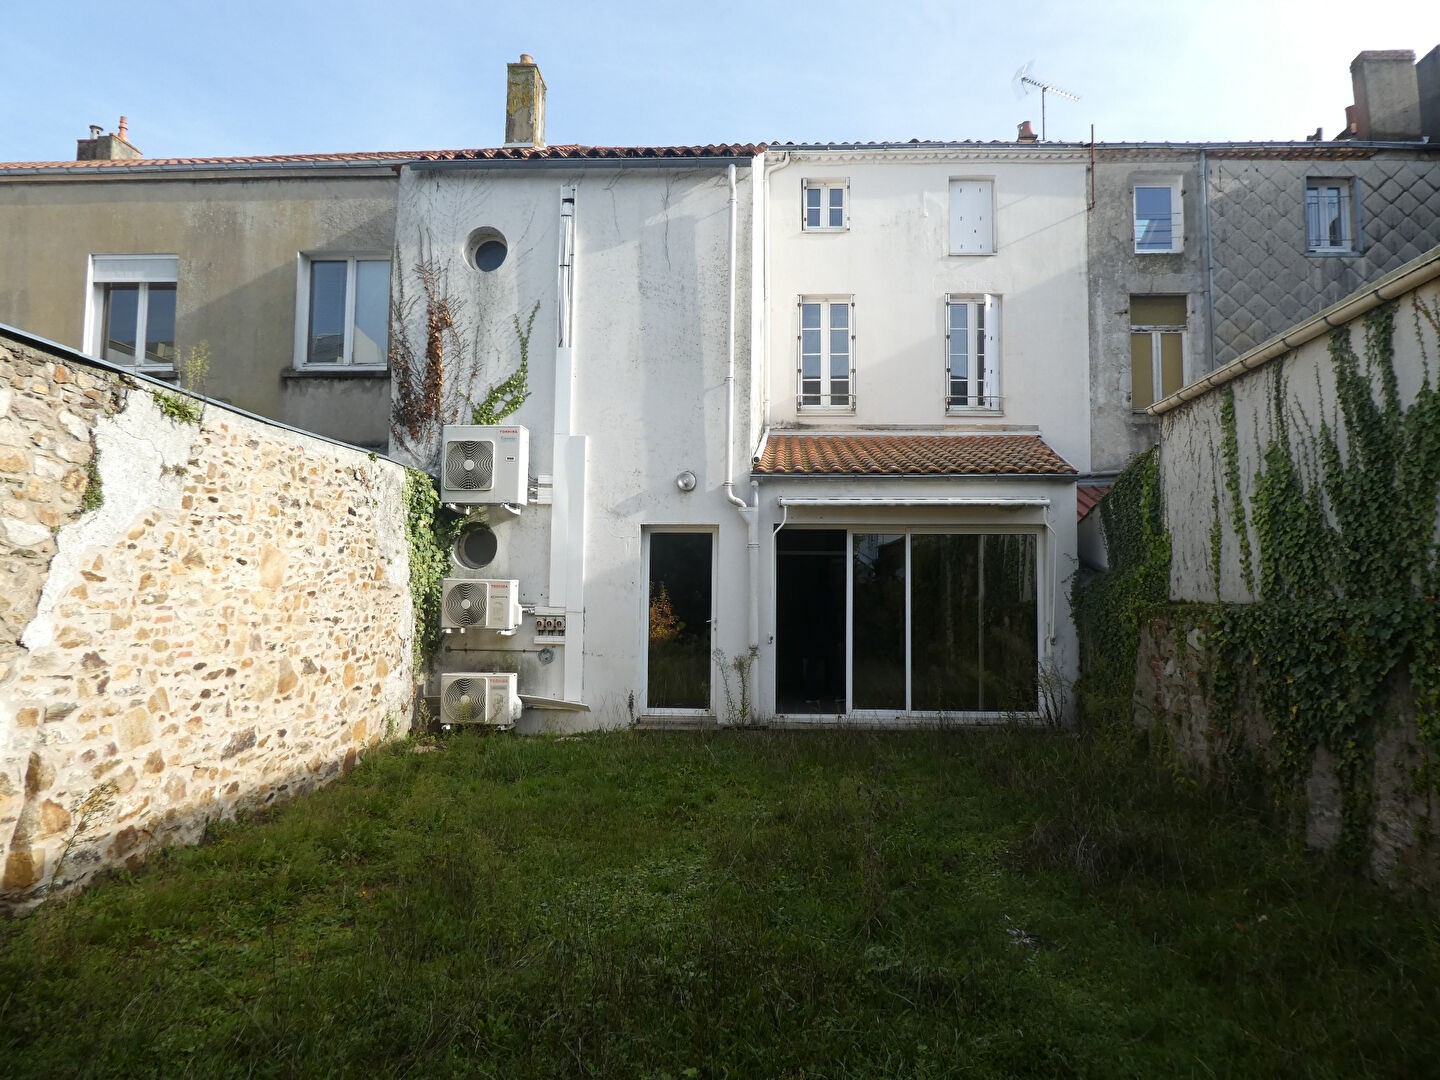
1344 518
1109 608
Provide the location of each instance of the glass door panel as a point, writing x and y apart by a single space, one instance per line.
681 599
947 645
877 659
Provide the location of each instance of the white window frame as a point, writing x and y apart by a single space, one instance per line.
824 187
103 271
1156 332
1177 215
826 394
1342 190
988 242
302 311
981 355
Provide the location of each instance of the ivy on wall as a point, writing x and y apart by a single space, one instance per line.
1344 518
1109 608
430 530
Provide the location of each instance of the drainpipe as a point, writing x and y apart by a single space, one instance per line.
567 510
1209 262
750 511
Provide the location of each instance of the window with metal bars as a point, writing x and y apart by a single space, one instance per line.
1329 216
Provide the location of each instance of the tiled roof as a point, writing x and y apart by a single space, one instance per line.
395 157
1087 497
909 455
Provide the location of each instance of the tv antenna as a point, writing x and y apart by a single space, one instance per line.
1023 82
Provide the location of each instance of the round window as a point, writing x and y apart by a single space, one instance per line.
487 249
476 546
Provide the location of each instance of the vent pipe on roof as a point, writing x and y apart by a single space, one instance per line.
524 103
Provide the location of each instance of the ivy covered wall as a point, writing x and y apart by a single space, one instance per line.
1302 507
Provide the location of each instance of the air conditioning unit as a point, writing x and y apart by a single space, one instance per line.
480 697
485 464
480 604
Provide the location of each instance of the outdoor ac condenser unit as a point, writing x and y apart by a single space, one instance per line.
479 697
480 604
484 464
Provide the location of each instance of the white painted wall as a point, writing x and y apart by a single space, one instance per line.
651 302
893 259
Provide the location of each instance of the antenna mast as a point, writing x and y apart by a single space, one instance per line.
1024 81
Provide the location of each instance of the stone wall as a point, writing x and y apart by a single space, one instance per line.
226 623
1173 696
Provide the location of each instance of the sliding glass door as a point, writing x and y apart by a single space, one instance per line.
943 622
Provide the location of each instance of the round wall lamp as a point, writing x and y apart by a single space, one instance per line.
685 481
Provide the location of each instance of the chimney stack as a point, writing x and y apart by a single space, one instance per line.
113 147
1427 74
1027 133
524 104
1387 96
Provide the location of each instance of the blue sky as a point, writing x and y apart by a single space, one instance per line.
260 76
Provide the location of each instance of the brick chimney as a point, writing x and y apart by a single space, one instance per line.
1026 133
1387 96
113 147
524 103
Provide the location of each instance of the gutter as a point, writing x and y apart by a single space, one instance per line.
1411 276
383 167
1000 503
583 163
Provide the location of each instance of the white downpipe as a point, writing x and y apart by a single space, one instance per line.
567 509
735 500
748 511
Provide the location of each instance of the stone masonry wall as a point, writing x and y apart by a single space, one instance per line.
231 625
1173 698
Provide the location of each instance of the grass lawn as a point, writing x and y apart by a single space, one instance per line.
749 904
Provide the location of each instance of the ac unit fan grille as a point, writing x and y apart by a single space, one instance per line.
466 604
464 700
470 466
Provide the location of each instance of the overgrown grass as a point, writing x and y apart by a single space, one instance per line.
747 904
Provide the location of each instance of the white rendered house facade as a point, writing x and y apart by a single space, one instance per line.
927 414
637 265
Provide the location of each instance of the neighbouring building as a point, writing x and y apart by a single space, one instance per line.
276 267
1199 252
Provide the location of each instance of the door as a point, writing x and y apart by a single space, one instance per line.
681 614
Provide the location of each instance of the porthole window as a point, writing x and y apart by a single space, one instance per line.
476 546
486 249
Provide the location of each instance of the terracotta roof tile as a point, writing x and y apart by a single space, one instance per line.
910 455
1087 497
395 157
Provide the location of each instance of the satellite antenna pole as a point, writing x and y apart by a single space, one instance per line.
1024 81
